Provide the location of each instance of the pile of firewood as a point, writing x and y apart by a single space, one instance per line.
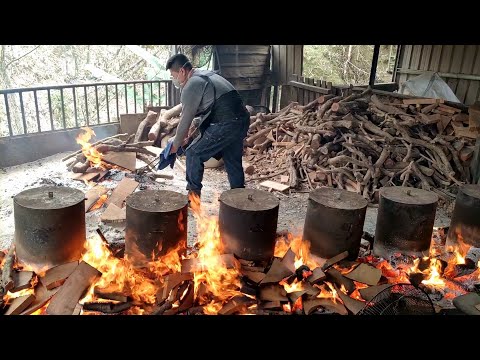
361 143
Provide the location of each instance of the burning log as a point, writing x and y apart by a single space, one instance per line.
237 304
6 281
276 273
353 305
111 293
107 307
336 276
65 300
160 310
332 261
149 120
272 292
19 304
317 276
95 144
22 280
42 296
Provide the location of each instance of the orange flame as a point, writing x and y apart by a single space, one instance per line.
325 294
433 272
101 200
300 247
88 150
220 282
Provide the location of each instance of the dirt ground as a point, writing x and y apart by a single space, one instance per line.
52 171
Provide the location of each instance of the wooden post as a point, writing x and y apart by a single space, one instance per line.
373 70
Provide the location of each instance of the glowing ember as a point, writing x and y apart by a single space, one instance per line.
88 150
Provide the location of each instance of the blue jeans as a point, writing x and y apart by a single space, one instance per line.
222 139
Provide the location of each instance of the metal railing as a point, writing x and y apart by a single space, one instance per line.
50 108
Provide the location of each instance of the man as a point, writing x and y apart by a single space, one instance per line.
223 122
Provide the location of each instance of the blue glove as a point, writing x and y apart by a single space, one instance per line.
166 158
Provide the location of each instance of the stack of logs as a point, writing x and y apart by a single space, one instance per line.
361 143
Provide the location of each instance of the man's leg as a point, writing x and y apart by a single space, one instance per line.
232 157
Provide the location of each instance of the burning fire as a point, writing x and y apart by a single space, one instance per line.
326 294
300 247
222 283
88 150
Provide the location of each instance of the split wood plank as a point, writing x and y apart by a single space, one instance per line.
235 305
254 276
310 306
370 292
288 260
170 282
19 304
317 276
92 196
366 274
272 292
57 275
111 293
65 300
126 160
120 193
423 101
271 305
277 272
84 176
337 277
42 296
355 306
274 185
21 280
332 261
113 214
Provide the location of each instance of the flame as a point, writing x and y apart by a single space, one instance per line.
459 250
356 293
433 272
10 296
325 294
101 200
300 247
295 286
88 150
220 282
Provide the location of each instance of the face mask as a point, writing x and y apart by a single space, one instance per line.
175 81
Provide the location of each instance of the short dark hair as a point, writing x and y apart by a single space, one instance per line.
177 61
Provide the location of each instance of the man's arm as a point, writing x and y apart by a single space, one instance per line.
191 99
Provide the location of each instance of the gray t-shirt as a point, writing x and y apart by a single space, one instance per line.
196 97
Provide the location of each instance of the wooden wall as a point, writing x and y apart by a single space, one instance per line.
286 61
458 65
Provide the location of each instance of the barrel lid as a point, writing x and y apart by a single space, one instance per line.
471 190
157 200
49 197
249 199
338 198
409 195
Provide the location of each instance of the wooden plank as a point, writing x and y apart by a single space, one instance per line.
435 58
288 260
170 282
468 303
290 59
57 275
370 292
19 304
309 306
154 149
254 276
313 88
473 93
84 177
446 58
274 185
42 296
366 274
455 66
337 277
120 193
298 66
423 101
355 306
425 57
448 109
405 57
270 305
113 214
467 67
111 293
284 76
272 292
276 273
235 305
416 53
317 276
92 196
22 279
65 300
126 160
334 260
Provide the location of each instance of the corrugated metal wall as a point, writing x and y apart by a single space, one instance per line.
458 65
286 60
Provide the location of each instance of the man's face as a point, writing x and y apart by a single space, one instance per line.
178 76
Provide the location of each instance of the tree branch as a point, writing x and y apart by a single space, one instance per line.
14 60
